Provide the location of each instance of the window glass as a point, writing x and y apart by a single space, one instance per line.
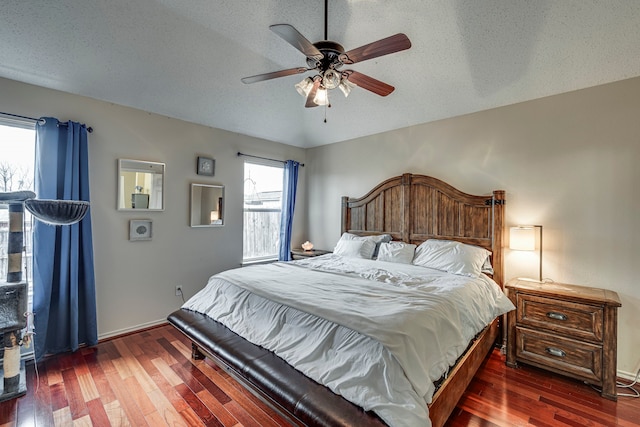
262 207
17 145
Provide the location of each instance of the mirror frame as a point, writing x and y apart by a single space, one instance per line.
144 165
192 205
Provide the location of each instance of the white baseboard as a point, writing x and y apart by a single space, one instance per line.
627 375
131 329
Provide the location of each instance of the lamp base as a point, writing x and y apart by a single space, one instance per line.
528 279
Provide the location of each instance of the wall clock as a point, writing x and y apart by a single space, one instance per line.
206 166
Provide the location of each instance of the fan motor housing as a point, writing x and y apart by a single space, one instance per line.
331 51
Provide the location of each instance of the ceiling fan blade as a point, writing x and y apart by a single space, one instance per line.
297 40
385 46
368 83
273 75
312 94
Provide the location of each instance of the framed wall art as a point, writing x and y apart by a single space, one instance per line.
140 229
206 166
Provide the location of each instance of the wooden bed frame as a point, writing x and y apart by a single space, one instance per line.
414 208
411 208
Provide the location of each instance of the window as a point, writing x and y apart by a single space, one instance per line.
262 207
17 145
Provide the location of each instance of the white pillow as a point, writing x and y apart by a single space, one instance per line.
396 252
452 257
487 268
377 239
355 248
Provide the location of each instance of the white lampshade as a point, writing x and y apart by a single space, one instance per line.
345 86
304 87
331 79
322 97
522 238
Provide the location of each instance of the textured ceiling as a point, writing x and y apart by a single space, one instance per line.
185 58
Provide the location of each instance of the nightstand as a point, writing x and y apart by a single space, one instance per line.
567 329
302 254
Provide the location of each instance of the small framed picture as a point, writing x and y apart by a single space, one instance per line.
206 166
140 229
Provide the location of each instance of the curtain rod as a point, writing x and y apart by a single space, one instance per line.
264 158
39 121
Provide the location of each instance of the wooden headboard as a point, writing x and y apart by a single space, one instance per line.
413 208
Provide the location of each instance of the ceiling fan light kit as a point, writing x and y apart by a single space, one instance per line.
321 98
325 58
331 79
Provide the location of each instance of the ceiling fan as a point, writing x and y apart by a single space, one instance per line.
326 58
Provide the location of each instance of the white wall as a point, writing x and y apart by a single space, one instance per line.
568 162
136 280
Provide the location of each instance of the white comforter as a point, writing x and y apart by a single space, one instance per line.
382 332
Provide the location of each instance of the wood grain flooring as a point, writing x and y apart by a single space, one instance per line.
149 379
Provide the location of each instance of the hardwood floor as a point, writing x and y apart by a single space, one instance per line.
149 379
502 396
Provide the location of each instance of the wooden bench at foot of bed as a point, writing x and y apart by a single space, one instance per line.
297 397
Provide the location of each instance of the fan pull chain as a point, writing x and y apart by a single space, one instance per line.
328 104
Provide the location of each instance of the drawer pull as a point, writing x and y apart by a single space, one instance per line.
556 352
556 316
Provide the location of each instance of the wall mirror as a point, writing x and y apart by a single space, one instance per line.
140 185
207 205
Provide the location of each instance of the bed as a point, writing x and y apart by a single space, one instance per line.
410 208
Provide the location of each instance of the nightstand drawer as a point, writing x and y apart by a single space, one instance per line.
564 355
578 320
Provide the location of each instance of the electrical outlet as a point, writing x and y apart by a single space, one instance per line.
178 290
